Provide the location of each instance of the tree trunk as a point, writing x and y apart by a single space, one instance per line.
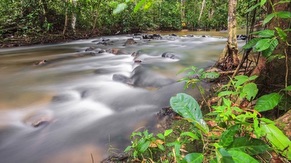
66 18
74 17
278 71
229 57
201 11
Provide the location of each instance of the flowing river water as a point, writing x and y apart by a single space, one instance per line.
81 104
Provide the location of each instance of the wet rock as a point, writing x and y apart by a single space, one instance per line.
39 118
101 40
118 157
121 78
169 55
152 36
115 51
241 37
95 50
173 34
129 41
42 62
102 71
143 77
190 35
65 97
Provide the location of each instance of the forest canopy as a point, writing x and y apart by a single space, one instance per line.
68 17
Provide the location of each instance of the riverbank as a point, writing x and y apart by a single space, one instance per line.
53 38
24 40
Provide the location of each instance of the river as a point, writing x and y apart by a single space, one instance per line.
81 104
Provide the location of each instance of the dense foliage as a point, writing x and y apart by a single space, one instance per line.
37 17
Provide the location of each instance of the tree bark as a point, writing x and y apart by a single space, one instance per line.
201 11
229 57
66 18
278 70
74 16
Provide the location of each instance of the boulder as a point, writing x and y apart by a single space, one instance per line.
129 41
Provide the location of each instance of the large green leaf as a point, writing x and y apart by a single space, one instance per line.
188 107
251 43
240 79
284 14
265 33
249 145
263 44
267 102
227 136
249 91
268 18
223 156
193 158
278 140
268 52
241 157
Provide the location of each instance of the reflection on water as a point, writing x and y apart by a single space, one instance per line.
70 107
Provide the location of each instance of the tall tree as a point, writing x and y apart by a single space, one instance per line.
229 58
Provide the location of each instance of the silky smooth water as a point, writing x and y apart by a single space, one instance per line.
70 109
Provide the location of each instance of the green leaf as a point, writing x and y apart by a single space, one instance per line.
288 88
144 146
241 157
267 102
249 145
223 156
188 107
284 14
161 136
161 147
210 75
225 93
253 77
252 8
193 158
240 80
227 136
249 91
275 56
281 33
138 6
265 33
262 2
263 44
168 132
268 52
190 134
120 7
278 140
127 149
282 1
251 43
268 18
